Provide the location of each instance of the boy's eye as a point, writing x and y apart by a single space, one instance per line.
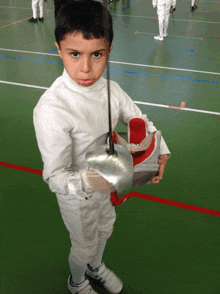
97 55
75 54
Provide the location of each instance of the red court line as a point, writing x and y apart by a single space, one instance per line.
181 106
21 168
132 193
175 203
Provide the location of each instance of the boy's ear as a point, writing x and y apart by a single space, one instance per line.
110 49
58 49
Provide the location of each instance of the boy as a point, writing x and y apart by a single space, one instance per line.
70 118
163 12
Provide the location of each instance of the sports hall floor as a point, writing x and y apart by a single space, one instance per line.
158 247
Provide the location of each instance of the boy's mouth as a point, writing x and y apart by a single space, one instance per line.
85 81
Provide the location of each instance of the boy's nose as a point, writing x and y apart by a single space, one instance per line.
86 65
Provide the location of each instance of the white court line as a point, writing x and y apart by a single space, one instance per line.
175 36
15 7
32 52
23 85
186 109
163 67
124 63
207 2
176 19
137 102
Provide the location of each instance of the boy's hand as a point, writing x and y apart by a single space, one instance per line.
97 182
162 163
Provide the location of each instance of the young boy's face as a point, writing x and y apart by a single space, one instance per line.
83 59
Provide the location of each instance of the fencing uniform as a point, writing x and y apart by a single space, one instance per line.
69 120
163 12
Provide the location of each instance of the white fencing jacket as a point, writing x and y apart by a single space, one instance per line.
161 2
69 120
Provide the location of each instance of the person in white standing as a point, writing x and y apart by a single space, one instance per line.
163 12
71 118
34 8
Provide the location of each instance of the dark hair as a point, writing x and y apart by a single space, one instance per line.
90 17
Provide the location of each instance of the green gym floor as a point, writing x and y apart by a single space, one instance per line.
156 247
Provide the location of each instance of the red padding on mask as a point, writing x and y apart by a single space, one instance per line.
138 130
142 155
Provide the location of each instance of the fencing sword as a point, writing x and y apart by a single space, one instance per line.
172 9
112 161
111 144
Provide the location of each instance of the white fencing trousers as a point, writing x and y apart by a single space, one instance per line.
163 9
163 12
192 2
41 7
89 223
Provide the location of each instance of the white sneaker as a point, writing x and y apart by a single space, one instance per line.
165 35
108 279
83 288
158 38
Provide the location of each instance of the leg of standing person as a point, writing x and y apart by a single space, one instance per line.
161 14
34 9
80 218
105 228
97 259
90 223
166 18
96 269
41 9
193 6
